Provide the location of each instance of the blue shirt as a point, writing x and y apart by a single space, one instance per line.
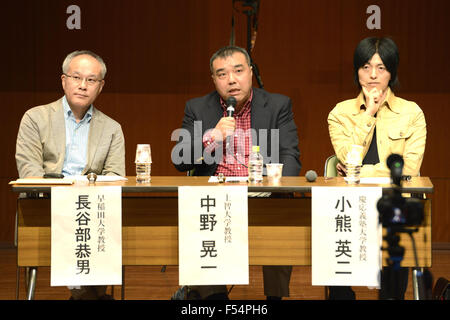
77 135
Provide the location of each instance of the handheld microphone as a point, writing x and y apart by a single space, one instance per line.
231 103
311 176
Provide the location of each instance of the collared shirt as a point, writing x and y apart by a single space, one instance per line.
401 129
77 135
235 153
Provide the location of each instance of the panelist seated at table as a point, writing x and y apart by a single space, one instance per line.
226 141
71 136
378 121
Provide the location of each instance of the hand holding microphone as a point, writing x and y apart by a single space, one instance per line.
226 125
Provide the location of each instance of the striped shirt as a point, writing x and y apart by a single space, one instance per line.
77 135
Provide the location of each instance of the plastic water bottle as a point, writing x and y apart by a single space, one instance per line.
143 163
143 172
353 164
255 165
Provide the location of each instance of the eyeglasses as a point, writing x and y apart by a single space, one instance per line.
78 80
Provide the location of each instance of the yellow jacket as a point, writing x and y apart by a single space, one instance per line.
401 129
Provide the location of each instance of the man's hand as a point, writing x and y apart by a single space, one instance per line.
341 169
374 98
224 128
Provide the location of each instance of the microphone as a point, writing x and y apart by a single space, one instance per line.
311 176
231 103
395 163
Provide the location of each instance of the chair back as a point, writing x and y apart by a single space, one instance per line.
330 166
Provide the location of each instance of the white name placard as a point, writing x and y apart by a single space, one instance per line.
346 236
86 236
213 235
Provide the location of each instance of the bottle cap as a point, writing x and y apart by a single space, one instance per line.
255 148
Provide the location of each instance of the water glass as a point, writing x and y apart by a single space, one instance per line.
274 172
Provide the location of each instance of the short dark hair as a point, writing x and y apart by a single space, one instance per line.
388 51
228 52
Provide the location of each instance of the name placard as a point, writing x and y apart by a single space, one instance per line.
213 235
346 236
86 235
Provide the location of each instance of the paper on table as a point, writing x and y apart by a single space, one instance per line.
376 180
100 178
43 181
110 178
67 180
215 179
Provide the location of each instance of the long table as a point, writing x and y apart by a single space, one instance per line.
279 226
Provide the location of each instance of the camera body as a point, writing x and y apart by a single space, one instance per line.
394 209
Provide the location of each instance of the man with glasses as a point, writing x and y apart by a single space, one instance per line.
72 137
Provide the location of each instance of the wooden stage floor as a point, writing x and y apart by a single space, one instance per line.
149 283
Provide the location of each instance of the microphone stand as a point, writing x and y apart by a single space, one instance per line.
252 13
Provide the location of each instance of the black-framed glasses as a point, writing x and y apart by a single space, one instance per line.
89 80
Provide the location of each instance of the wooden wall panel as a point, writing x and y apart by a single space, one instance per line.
157 54
440 220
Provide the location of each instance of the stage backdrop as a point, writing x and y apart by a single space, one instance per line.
157 54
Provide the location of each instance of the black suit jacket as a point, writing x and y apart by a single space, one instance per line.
268 111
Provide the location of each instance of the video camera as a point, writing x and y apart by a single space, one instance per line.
394 209
400 215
